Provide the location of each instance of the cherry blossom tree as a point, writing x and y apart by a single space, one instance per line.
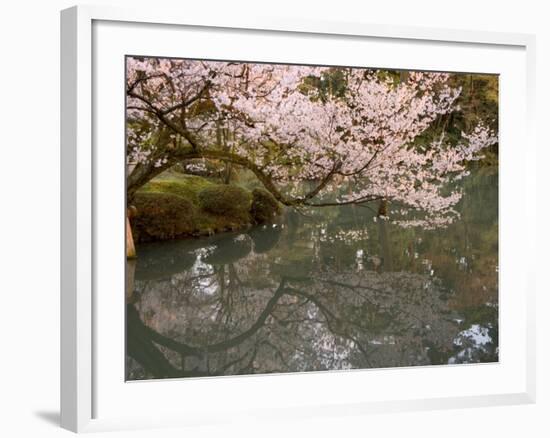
271 120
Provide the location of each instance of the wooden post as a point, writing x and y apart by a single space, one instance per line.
130 212
130 247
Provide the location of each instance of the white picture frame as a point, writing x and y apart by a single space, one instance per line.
86 379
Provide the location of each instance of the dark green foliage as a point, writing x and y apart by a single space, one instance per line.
330 83
177 216
175 205
264 206
227 200
478 102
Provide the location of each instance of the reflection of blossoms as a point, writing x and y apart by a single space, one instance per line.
473 342
344 235
428 223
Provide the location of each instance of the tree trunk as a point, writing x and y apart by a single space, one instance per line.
383 208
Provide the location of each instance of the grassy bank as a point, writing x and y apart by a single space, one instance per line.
177 206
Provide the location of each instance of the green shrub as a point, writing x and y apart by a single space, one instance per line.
264 206
173 206
162 216
226 200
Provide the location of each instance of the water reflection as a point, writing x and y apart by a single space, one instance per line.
333 289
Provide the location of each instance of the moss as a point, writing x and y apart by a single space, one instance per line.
187 186
264 206
226 200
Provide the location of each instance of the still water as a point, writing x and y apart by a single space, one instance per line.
332 290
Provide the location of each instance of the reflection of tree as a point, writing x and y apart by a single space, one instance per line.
316 293
335 321
142 339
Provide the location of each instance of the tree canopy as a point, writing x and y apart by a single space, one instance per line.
328 127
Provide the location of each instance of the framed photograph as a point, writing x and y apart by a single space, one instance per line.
338 212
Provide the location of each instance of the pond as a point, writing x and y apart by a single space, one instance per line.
333 289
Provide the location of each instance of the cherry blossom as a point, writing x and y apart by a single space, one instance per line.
268 119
